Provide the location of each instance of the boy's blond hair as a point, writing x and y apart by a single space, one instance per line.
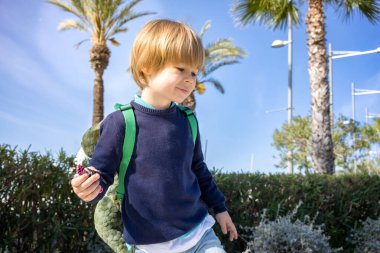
161 42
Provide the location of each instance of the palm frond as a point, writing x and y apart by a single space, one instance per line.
215 82
367 8
76 12
222 45
125 11
272 14
114 42
101 18
108 9
116 31
223 48
78 5
71 24
134 16
117 27
211 68
205 27
80 43
223 54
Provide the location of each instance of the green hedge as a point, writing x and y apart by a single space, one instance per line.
339 202
40 213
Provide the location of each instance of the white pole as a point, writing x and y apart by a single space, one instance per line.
290 75
353 121
353 101
252 158
331 87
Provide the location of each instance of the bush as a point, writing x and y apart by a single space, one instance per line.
341 201
367 239
284 236
39 211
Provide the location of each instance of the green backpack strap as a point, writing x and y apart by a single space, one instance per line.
130 137
128 145
192 121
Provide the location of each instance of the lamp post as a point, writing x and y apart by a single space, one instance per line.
289 43
336 55
359 92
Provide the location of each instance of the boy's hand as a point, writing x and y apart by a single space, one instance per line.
226 225
86 187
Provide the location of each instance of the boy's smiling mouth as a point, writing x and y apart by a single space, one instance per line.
183 90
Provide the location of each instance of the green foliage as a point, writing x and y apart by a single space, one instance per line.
283 235
39 211
274 14
352 142
341 201
295 137
367 239
270 13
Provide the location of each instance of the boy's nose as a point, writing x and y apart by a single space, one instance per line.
190 78
191 81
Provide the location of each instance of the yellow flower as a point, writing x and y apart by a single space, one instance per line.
200 87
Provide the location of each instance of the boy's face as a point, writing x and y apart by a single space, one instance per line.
174 82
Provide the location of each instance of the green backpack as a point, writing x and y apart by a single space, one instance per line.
107 216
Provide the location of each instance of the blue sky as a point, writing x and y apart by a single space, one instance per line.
46 84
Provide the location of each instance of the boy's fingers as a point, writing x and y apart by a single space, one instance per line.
223 227
93 194
85 193
231 236
233 232
77 181
90 181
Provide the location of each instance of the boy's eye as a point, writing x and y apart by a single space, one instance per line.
182 69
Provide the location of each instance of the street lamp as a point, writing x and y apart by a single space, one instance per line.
280 43
359 92
341 54
289 43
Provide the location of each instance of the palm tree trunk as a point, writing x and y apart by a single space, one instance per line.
190 102
98 99
321 141
99 58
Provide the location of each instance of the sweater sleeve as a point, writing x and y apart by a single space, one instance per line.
109 150
211 194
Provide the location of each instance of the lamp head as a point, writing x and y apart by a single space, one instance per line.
279 43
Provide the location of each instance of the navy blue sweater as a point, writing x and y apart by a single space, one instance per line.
168 186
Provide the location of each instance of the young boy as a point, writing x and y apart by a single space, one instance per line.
168 186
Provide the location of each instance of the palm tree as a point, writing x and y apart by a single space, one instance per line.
217 54
274 14
102 19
